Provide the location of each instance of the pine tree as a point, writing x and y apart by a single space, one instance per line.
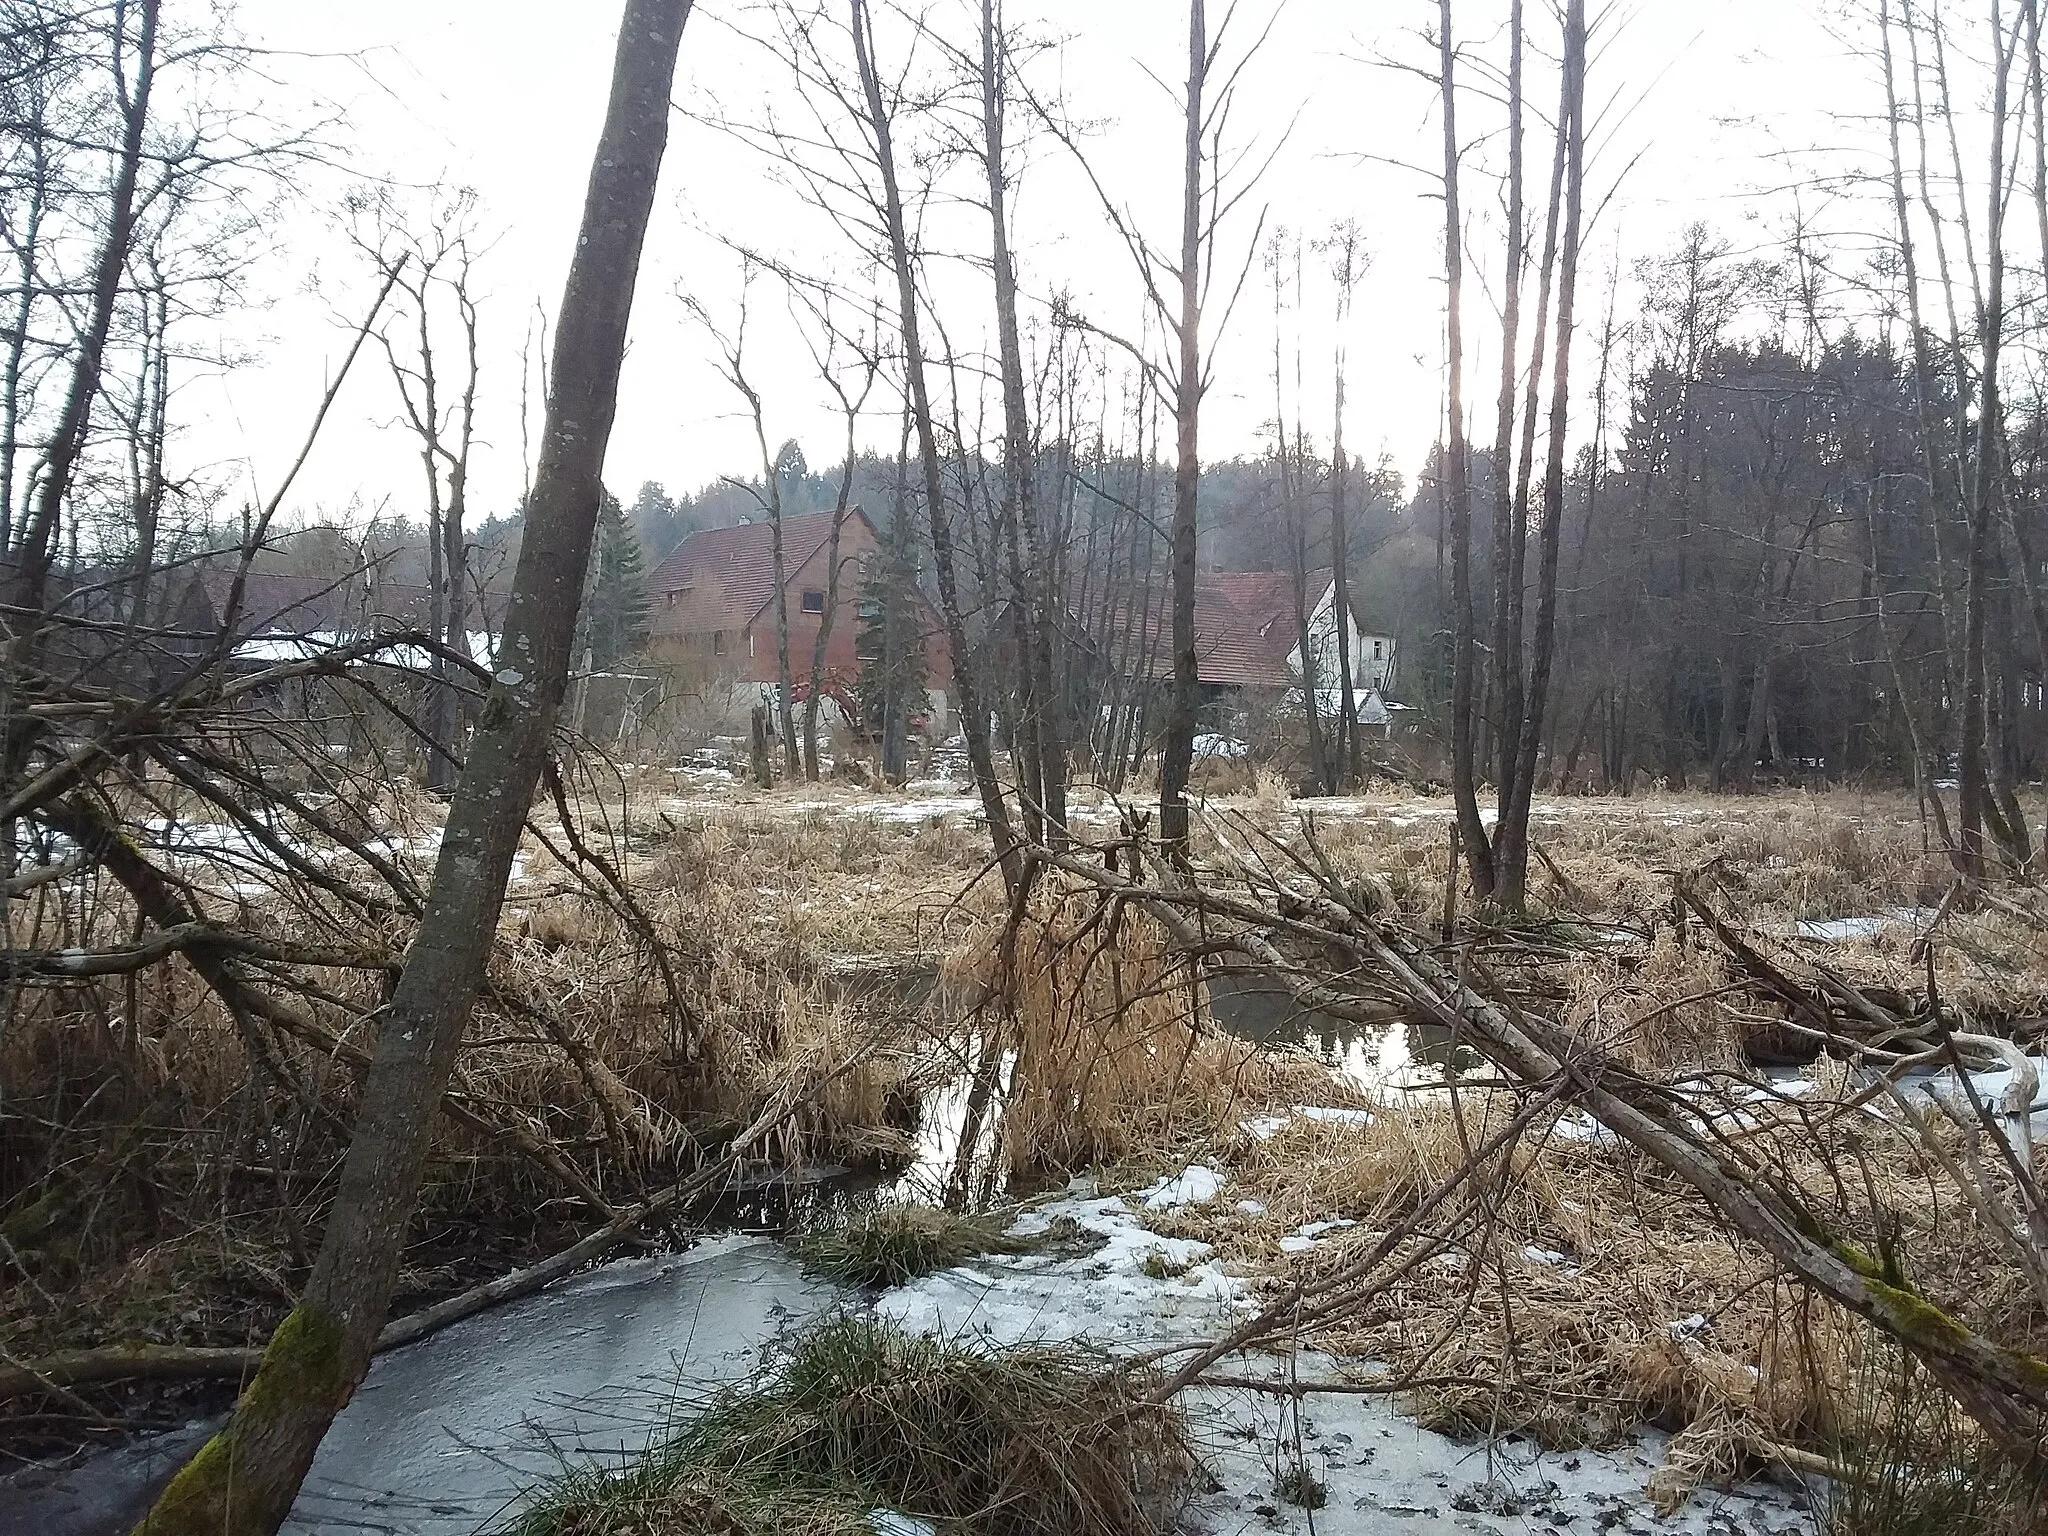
658 519
890 644
614 621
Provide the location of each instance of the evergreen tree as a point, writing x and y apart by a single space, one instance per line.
659 520
890 644
613 624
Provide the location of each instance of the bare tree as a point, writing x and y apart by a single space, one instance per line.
1511 851
1456 482
1498 861
1177 291
768 495
245 1478
1976 804
435 261
973 721
851 403
1345 248
1035 592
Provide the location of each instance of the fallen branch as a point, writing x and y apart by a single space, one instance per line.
171 1362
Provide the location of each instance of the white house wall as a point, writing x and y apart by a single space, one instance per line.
1372 656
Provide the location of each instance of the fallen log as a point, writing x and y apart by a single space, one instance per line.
54 1374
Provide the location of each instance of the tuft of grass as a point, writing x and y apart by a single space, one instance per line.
888 1244
861 1416
697 1500
1301 1488
1915 1464
1157 1266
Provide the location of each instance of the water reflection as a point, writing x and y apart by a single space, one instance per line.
1394 1057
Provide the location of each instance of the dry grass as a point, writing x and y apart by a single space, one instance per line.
818 932
1599 1293
164 1185
1012 1443
1110 1057
888 1244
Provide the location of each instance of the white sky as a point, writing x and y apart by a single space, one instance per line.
505 96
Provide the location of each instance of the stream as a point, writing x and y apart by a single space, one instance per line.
447 1433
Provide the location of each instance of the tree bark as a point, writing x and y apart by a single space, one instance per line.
60 459
1346 760
1045 728
1458 493
1976 788
1513 857
824 635
1177 756
243 1481
1506 664
785 709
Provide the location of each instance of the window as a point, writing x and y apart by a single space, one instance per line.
814 600
671 599
718 642
1378 650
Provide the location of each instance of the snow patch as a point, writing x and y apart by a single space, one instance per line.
1196 1186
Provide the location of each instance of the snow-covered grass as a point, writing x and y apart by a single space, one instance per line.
1142 1291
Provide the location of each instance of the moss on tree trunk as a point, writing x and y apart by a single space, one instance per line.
302 1378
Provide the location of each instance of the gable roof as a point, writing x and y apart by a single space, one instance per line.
730 572
1245 628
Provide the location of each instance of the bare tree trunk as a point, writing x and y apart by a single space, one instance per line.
1506 657
1976 789
1044 728
785 711
454 537
1346 249
824 635
973 720
243 1481
1513 699
1297 546
1458 494
36 543
1925 773
1512 844
895 708
1177 755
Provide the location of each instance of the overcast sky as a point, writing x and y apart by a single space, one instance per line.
1706 102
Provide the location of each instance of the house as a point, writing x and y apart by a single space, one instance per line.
711 615
285 617
1248 642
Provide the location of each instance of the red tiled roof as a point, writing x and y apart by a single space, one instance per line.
730 572
1245 628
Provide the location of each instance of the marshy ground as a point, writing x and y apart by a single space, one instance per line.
837 969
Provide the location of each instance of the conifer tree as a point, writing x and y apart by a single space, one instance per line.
614 623
890 644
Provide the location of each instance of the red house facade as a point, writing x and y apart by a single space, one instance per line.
712 608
